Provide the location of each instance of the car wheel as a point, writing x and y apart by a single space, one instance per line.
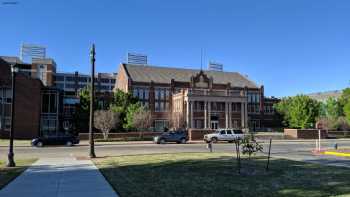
39 144
214 139
162 141
69 143
231 141
183 141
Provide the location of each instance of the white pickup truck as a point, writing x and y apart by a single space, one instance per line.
224 135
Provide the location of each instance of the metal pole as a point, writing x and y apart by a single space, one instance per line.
319 140
92 95
268 157
11 162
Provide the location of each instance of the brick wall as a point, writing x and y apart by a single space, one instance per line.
85 136
304 133
198 134
27 103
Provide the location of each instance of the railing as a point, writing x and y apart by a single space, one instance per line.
213 93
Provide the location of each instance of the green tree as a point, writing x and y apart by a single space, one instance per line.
346 109
299 112
120 104
331 109
344 101
81 115
345 97
130 113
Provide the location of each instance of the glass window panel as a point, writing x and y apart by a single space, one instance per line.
52 103
146 94
135 92
141 96
167 106
156 106
167 94
162 94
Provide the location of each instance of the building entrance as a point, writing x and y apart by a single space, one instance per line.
214 122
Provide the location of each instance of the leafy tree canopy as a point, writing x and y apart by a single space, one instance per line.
299 112
331 109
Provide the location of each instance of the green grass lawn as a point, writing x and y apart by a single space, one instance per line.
8 174
215 174
5 142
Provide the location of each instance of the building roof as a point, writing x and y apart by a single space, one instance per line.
11 59
159 74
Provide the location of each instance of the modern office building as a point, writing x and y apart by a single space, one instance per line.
202 99
71 83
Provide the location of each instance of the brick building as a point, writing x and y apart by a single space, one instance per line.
200 99
53 96
27 112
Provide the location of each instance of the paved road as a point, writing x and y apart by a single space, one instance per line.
296 150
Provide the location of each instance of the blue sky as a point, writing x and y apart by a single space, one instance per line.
289 46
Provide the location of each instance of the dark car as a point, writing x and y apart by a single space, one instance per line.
172 136
68 140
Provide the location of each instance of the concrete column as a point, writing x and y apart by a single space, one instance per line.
246 114
209 114
226 114
191 103
205 115
242 115
230 114
188 114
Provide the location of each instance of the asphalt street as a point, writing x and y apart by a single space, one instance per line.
295 150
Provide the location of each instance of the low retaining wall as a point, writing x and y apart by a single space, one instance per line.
304 133
85 136
339 134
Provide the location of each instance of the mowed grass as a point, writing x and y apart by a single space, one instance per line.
5 142
8 174
215 174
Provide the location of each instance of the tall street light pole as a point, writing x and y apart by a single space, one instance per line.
11 161
92 98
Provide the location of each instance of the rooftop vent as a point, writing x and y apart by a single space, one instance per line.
135 58
214 66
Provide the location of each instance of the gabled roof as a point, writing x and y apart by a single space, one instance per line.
157 74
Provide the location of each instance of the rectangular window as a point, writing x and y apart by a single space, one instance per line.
167 94
162 94
135 93
141 96
69 78
146 94
159 125
157 94
156 106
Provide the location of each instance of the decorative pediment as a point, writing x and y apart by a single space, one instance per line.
200 80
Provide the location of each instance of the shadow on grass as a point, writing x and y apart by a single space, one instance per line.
8 174
172 175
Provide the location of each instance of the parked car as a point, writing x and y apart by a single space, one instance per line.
172 136
68 140
224 135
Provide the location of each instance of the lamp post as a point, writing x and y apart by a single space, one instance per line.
92 95
11 162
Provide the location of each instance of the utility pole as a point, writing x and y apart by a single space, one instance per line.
11 161
92 98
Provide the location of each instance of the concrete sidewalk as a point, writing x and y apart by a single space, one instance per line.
59 177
